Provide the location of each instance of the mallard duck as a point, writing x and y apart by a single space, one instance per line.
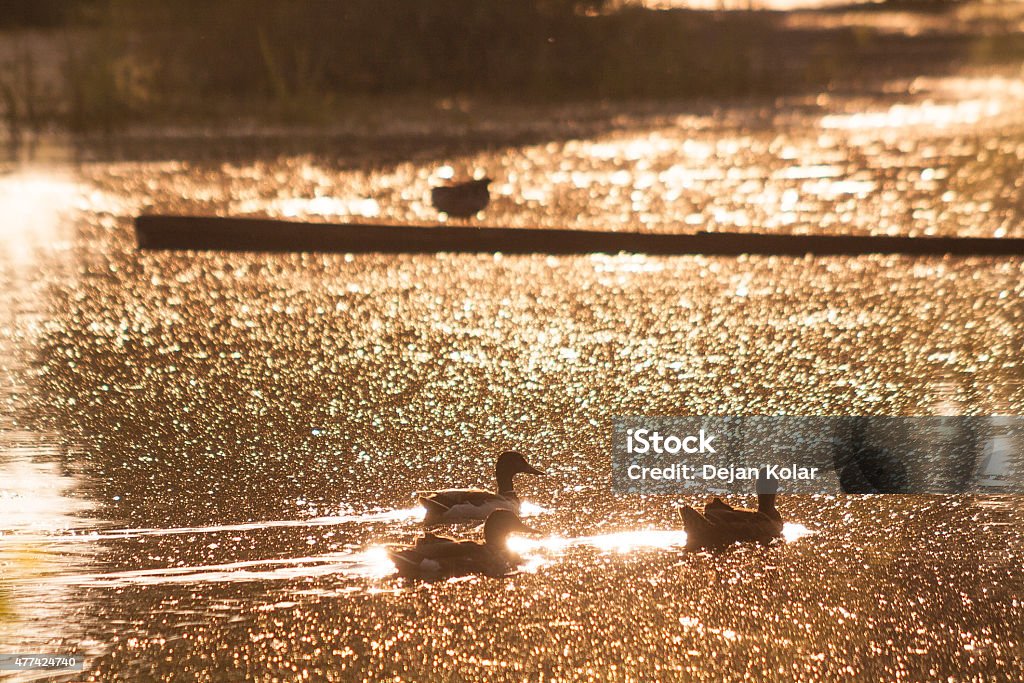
435 556
458 506
722 524
462 200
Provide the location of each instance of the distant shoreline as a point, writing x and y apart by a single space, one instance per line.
145 66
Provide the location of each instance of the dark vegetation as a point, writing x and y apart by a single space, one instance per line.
123 60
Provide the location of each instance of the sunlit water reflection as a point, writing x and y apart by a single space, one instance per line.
218 446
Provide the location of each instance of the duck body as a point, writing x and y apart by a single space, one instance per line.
439 557
462 200
461 506
722 525
716 504
453 506
434 556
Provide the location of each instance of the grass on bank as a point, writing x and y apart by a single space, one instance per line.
115 62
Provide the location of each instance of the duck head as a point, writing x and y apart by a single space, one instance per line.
767 490
509 464
501 524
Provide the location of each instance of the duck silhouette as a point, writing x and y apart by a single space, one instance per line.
722 524
462 200
458 506
434 556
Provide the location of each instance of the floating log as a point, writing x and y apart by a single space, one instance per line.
262 234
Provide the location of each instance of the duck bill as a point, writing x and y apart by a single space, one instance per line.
530 469
523 529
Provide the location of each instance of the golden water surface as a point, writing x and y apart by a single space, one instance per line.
203 454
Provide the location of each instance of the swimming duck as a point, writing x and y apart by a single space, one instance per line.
435 556
458 506
722 524
462 200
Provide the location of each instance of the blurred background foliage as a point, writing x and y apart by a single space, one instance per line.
124 60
